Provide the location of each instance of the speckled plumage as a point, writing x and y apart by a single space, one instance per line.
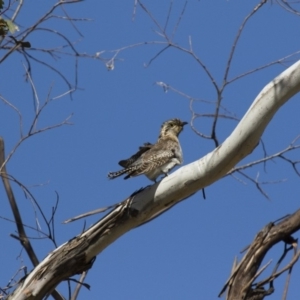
153 160
142 149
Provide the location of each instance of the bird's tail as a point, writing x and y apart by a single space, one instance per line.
113 175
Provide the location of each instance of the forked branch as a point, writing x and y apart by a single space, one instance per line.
241 284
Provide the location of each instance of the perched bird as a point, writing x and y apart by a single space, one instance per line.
153 160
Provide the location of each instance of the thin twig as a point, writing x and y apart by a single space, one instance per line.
79 285
179 20
17 11
17 111
228 65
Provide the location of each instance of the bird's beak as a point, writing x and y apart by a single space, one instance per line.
184 123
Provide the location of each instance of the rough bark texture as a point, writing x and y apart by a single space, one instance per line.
243 275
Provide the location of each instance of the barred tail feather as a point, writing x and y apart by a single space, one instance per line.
113 175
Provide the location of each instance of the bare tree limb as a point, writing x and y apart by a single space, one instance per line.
240 284
22 237
79 285
256 8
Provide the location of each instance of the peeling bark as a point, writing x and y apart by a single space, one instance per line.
241 280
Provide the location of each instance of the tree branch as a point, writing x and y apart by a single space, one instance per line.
240 283
22 237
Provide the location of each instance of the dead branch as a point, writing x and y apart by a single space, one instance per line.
33 130
256 8
17 216
79 285
168 43
15 44
241 284
280 154
75 257
288 6
22 236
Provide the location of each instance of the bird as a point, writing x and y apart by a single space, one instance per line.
156 159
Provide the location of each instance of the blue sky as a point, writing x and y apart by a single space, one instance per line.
186 253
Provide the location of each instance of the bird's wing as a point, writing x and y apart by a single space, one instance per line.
155 157
129 161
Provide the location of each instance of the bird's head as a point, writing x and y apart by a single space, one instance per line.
173 127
